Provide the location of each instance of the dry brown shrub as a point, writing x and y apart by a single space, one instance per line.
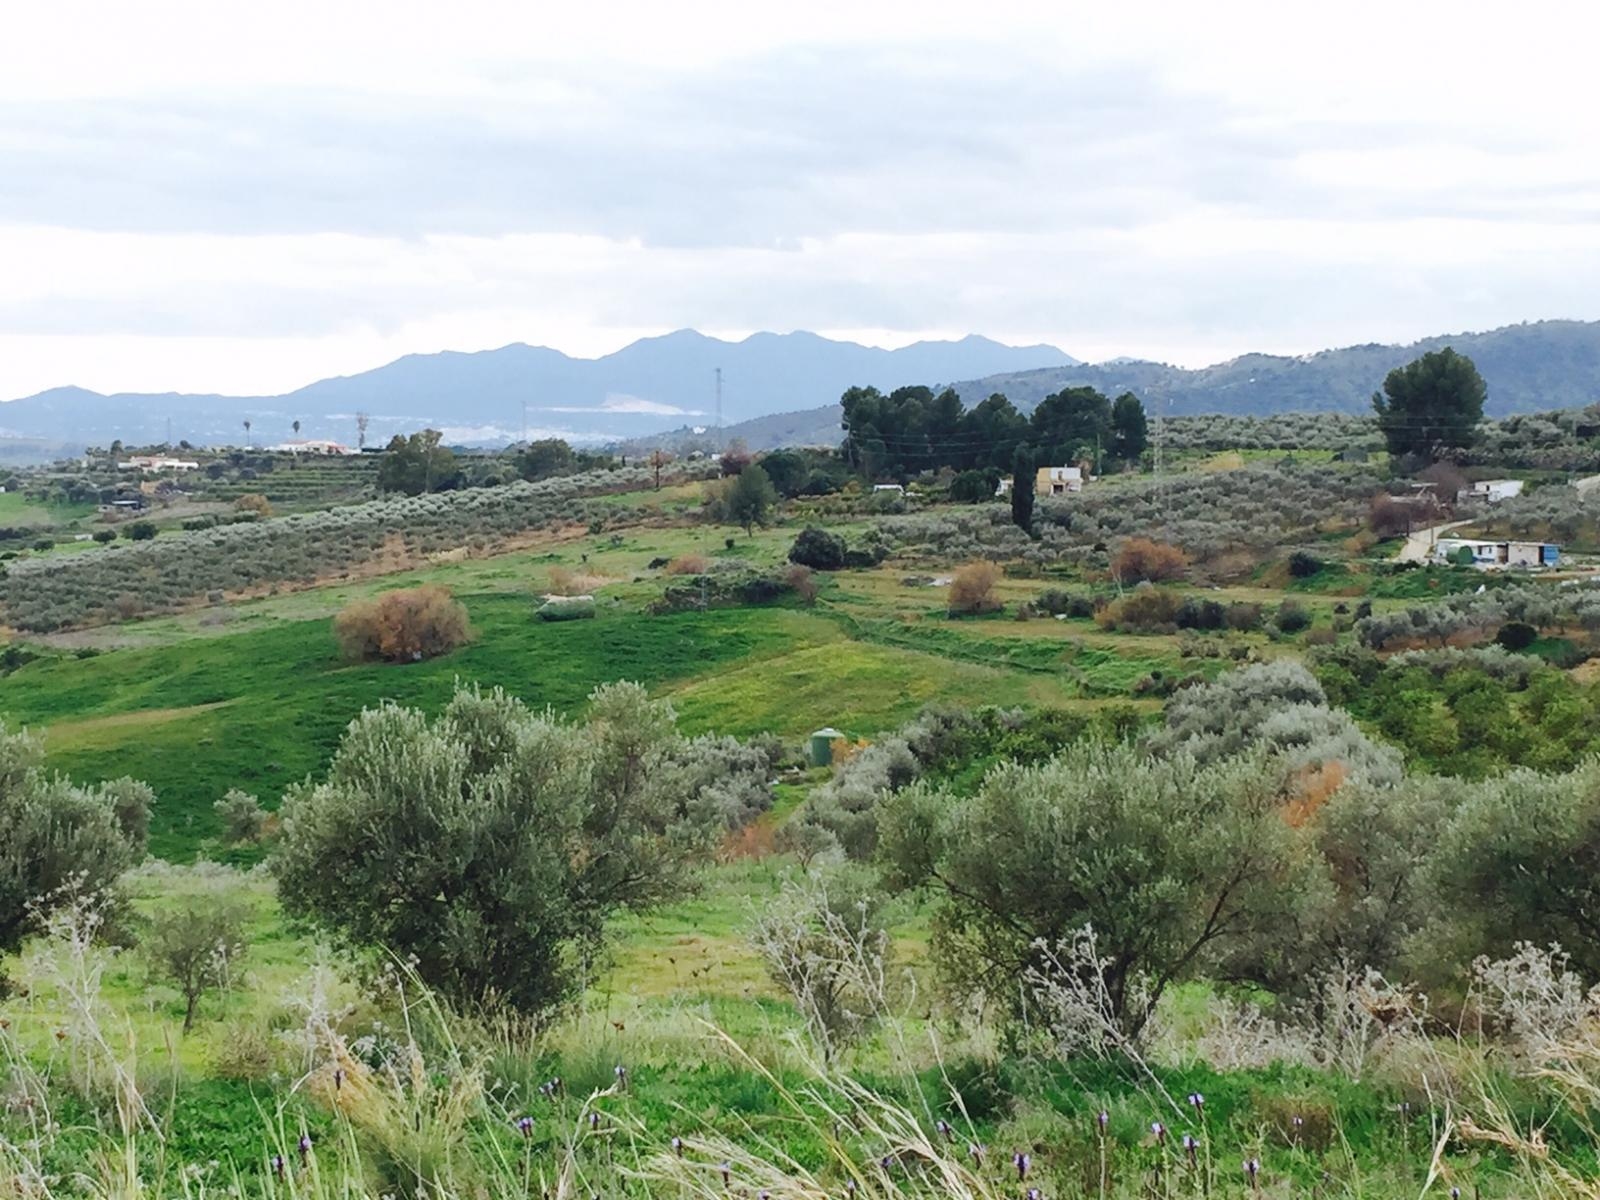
1143 610
972 588
1310 788
254 502
1393 516
403 626
1140 560
688 564
799 578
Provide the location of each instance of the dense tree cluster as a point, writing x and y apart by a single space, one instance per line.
915 429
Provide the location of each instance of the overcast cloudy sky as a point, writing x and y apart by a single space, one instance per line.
246 197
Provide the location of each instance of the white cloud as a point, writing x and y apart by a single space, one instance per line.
220 196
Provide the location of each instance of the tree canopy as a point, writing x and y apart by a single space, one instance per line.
1431 404
493 843
417 464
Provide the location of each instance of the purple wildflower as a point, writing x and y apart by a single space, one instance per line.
525 1125
1021 1162
1160 1130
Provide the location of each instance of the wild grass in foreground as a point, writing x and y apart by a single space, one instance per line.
382 1092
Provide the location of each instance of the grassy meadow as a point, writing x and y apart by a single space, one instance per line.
300 1043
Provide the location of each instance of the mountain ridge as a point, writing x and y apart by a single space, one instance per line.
480 395
784 386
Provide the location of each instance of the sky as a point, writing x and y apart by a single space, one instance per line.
244 198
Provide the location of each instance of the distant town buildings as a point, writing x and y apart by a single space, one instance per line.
157 462
312 446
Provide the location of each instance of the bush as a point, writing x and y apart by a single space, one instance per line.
823 941
44 544
1291 617
1041 854
1059 602
798 579
1303 564
1516 635
139 531
194 943
61 841
408 625
818 549
492 845
1146 609
254 502
105 535
243 818
972 589
1140 559
689 564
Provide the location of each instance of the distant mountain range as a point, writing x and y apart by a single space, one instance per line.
781 389
654 384
1529 368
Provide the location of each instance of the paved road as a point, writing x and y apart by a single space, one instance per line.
1419 543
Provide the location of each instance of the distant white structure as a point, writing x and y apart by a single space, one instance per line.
1058 481
157 462
311 446
1488 555
889 487
1492 491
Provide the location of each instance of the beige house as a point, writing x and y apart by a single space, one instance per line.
1059 481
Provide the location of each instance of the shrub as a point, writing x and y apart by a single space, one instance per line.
44 544
818 549
1291 617
1140 559
1303 564
823 941
254 502
1060 602
1041 853
139 531
689 564
407 625
493 844
1146 609
194 942
243 818
798 579
1516 635
972 589
105 535
61 841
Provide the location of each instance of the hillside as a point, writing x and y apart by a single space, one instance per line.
651 385
1529 368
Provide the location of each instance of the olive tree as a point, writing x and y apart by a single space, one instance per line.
1519 861
195 942
58 838
1168 862
491 845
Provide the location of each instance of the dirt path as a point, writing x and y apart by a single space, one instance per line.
1419 543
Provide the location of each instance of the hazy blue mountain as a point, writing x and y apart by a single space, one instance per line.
1529 368
653 384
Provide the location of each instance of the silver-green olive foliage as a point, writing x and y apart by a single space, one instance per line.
492 844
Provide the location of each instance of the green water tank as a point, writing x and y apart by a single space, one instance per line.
822 746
